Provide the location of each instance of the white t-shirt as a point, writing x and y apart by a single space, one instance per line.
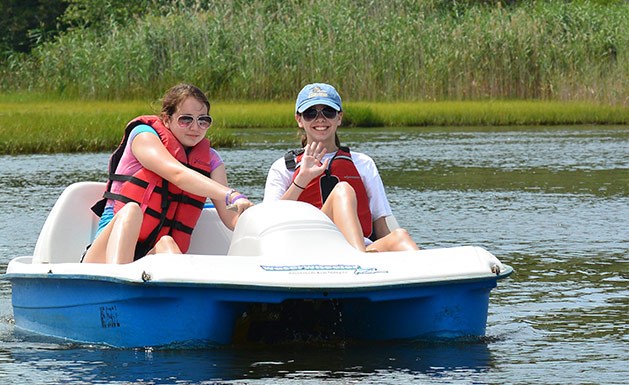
279 179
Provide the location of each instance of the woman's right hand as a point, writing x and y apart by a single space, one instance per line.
311 165
242 204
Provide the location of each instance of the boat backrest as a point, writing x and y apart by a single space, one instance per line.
70 225
210 236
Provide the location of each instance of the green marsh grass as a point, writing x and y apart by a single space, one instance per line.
39 126
380 50
495 113
75 126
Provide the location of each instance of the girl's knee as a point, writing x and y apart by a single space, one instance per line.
129 216
167 239
403 238
130 209
401 234
167 244
344 186
345 189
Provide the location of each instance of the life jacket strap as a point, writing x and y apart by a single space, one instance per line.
185 199
118 197
171 197
151 239
289 158
200 171
128 178
328 181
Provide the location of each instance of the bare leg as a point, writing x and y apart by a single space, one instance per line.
341 208
124 235
116 243
166 244
397 240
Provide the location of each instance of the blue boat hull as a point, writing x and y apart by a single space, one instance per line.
130 314
285 271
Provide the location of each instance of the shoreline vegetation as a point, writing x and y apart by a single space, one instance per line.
409 63
377 51
31 124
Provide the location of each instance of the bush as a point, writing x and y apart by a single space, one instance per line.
372 51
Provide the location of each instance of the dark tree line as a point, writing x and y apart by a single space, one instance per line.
25 23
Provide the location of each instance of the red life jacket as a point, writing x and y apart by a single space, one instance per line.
340 168
168 210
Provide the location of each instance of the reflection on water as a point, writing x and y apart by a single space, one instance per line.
382 362
551 202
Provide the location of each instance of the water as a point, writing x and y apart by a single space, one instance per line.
551 202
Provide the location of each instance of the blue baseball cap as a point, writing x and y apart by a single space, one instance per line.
317 93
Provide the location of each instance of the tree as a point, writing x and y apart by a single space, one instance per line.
25 23
99 13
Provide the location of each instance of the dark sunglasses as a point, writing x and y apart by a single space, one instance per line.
185 121
312 113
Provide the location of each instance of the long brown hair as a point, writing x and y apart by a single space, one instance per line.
176 95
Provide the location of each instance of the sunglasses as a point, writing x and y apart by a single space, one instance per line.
185 121
312 113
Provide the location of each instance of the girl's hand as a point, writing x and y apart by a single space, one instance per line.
238 202
242 204
311 165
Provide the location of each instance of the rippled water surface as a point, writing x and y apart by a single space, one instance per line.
551 202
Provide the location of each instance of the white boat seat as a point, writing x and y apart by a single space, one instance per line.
210 236
70 225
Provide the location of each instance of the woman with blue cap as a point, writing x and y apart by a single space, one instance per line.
344 184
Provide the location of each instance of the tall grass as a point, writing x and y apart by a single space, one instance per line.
38 126
378 50
69 126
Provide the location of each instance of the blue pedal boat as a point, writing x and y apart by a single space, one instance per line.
285 265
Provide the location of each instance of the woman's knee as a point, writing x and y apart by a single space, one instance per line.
400 234
130 209
167 239
404 240
167 244
344 189
130 212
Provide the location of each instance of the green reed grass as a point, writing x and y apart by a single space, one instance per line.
380 50
495 113
37 125
75 126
